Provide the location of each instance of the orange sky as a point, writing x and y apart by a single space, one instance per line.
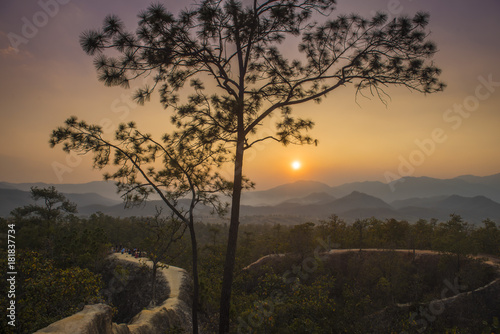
46 77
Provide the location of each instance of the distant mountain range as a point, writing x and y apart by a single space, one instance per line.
474 198
360 205
102 188
405 188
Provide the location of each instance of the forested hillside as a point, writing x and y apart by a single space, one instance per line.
319 276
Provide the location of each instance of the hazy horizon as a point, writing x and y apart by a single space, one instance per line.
257 188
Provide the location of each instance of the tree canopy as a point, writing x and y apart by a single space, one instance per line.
236 48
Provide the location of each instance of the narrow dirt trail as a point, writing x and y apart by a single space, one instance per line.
171 312
488 259
173 275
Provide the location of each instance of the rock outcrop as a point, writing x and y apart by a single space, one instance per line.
174 312
93 319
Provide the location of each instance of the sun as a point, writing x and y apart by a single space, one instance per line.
296 165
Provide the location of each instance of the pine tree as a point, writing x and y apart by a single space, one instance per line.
233 48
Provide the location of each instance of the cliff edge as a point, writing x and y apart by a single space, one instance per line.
174 312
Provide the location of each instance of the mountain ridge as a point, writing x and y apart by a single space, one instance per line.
413 198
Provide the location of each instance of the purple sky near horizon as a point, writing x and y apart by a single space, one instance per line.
46 77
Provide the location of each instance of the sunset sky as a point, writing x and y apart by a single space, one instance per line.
46 77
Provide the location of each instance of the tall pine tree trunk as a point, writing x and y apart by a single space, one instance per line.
227 279
194 249
153 283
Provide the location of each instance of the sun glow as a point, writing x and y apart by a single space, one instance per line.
296 165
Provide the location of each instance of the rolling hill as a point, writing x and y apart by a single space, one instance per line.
284 192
